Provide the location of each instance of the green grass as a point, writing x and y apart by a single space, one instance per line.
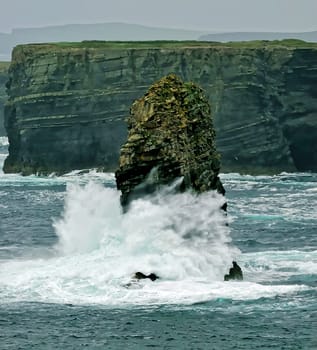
288 43
292 43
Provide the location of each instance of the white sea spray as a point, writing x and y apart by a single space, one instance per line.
174 235
183 238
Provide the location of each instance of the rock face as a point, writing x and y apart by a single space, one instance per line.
171 135
68 102
4 66
235 273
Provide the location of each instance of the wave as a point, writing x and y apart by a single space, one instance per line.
3 151
276 266
174 235
76 176
4 141
183 238
86 281
286 179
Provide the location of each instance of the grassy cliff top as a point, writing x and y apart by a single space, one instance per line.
20 52
291 43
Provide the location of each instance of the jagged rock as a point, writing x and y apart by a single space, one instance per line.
141 276
235 273
171 135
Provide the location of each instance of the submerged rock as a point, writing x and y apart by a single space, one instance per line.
171 135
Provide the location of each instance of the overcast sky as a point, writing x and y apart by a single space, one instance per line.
213 15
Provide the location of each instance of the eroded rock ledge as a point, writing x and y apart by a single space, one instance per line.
68 102
171 135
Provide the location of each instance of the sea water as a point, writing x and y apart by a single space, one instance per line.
67 254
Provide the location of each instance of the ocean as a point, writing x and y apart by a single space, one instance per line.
67 255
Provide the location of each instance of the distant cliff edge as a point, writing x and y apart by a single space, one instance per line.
68 102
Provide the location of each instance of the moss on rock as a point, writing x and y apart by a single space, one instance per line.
171 135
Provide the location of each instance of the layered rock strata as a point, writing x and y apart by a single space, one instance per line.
4 66
68 102
171 136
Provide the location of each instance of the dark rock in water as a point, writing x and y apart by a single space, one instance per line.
171 135
235 273
140 276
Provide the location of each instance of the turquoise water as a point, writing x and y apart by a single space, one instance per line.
67 254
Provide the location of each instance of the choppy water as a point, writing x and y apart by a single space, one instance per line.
67 254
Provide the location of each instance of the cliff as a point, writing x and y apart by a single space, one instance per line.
68 101
171 136
4 66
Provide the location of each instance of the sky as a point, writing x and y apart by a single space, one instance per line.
212 15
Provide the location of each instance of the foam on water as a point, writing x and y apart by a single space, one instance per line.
3 151
183 238
86 280
4 141
77 177
175 236
279 265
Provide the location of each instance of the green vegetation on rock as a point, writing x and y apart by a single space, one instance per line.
171 135
170 44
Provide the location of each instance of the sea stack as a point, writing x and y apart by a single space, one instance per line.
170 136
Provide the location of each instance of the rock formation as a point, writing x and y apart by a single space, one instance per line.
141 276
170 136
235 273
68 102
4 66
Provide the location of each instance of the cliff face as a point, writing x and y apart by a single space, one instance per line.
68 102
299 113
171 135
4 66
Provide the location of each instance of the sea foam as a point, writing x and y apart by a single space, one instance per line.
4 141
174 235
182 237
